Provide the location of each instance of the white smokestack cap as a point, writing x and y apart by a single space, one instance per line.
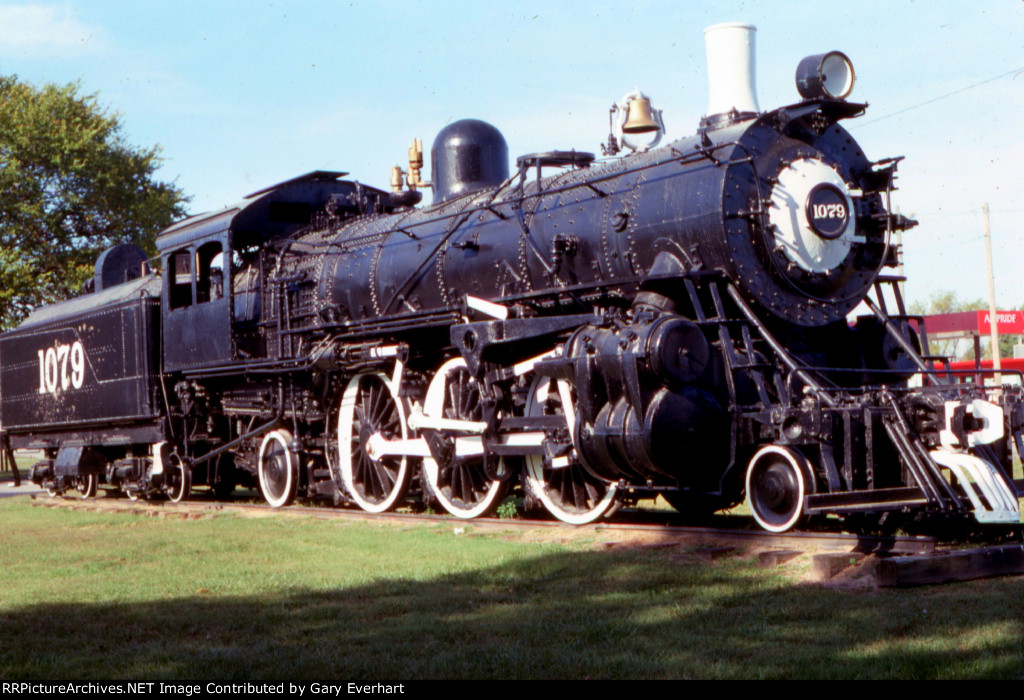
731 79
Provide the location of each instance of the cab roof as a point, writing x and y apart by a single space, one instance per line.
267 214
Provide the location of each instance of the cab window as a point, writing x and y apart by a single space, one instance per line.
180 279
210 273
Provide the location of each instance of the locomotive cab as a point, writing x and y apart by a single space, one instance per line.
214 267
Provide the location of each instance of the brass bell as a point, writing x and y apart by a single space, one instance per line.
640 117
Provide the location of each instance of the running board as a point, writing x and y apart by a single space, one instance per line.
866 501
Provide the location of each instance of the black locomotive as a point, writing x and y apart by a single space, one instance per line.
673 322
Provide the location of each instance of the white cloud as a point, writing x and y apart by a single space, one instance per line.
37 28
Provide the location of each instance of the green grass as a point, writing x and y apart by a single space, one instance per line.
96 595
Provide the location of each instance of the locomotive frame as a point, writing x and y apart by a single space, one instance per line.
671 322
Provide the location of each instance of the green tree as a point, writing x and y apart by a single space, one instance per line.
946 302
70 186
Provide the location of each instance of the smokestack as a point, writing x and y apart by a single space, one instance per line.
732 89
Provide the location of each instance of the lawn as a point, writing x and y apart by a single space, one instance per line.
89 595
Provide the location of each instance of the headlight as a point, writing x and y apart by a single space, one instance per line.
825 75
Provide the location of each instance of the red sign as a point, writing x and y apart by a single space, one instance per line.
1007 322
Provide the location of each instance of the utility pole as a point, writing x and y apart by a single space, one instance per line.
993 317
897 237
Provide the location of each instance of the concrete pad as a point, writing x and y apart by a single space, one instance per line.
7 488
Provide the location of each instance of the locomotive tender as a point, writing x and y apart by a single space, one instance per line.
673 322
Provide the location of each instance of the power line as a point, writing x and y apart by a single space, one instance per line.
960 212
941 97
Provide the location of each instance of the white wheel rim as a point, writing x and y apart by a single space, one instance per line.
797 465
87 487
433 406
279 441
184 480
539 393
348 442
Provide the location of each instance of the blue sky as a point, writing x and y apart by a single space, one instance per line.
240 95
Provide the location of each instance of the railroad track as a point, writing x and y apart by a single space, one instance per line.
632 528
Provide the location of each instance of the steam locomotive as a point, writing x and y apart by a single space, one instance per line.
675 321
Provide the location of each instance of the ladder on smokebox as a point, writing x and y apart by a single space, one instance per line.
904 319
984 482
